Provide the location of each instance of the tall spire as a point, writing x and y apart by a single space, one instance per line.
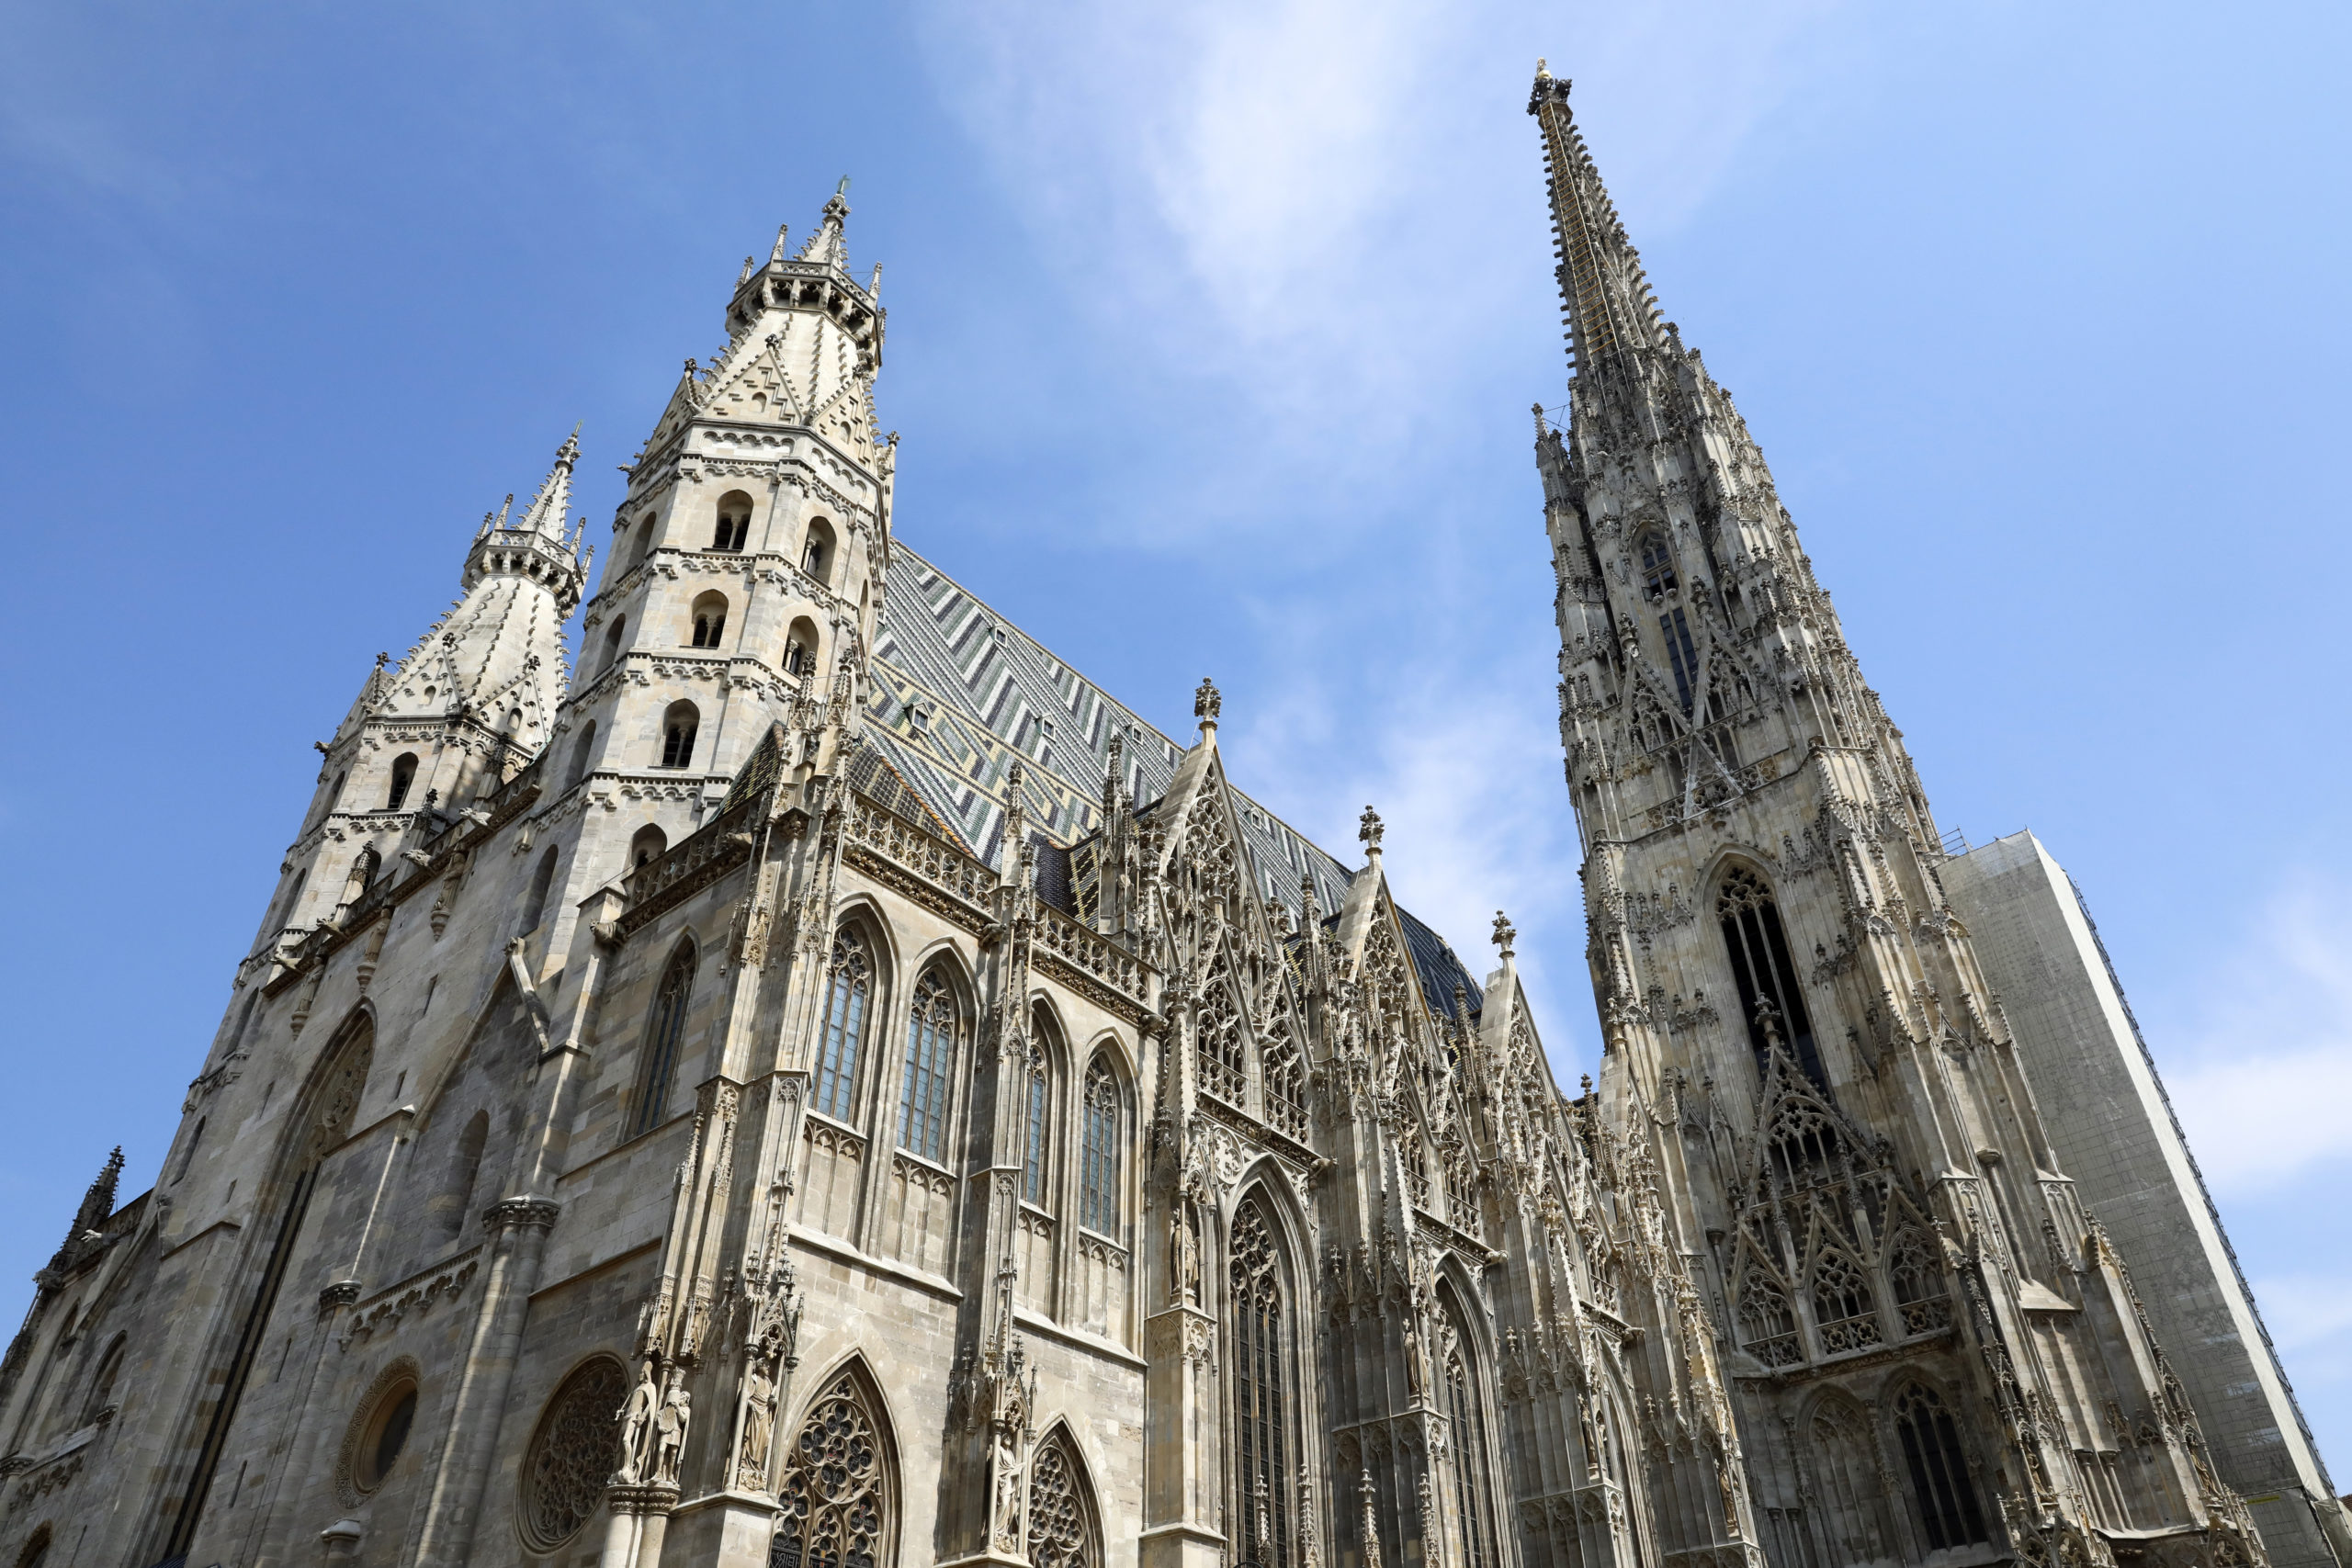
1607 299
547 509
826 245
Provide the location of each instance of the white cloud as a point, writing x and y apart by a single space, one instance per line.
2269 1073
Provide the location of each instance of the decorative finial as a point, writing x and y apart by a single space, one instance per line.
1505 933
744 276
777 253
1207 703
1587 1083
843 189
382 660
1541 69
1369 828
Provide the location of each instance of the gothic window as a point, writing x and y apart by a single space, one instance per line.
1061 1522
1768 997
1285 1086
734 521
709 619
1917 1277
1768 1329
649 844
1415 1154
800 650
931 1056
448 1206
1261 1390
572 1454
1852 1512
1098 1186
613 642
1660 587
195 1139
837 1485
678 727
1939 1481
1032 1152
583 754
1219 1041
642 545
663 1031
101 1392
1473 1474
36 1552
1461 1190
817 554
849 984
403 776
534 904
1842 1304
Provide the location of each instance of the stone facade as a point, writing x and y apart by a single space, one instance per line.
820 1083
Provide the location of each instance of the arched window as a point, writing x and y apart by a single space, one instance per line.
642 545
1414 1153
817 552
1461 1190
1939 1481
1660 587
649 844
1769 998
1852 1511
613 634
849 984
1768 1329
187 1155
800 648
1061 1513
709 619
449 1206
1221 1046
534 904
1286 1085
734 521
101 1395
36 1552
1473 1473
931 1057
838 1489
1036 1109
1842 1304
678 727
362 876
403 776
583 754
1261 1390
1098 1179
1918 1276
663 1031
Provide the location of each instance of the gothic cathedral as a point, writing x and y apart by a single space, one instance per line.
814 1082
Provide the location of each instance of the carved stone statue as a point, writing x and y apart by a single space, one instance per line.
758 1425
1184 1259
670 1434
635 1420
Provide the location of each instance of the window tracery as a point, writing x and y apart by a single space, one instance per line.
1918 1276
1061 1526
572 1454
849 984
1940 1484
837 1487
1098 1191
1472 1475
1769 999
1261 1389
1842 1304
932 1036
1219 1044
1768 1329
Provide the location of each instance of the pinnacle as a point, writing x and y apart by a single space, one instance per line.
551 505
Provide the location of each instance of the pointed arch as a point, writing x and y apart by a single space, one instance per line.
1477 1499
1262 1302
840 1480
1941 1489
1064 1522
1840 1448
1845 1309
1220 1042
1283 1074
1103 1136
1048 1064
1771 996
1768 1325
938 1028
1914 1274
852 983
665 1028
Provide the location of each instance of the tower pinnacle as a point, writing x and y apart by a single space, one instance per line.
1606 298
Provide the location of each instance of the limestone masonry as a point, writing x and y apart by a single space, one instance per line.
817 1083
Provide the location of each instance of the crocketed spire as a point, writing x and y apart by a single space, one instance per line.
1606 298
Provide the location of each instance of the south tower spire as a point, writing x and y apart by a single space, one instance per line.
1794 1022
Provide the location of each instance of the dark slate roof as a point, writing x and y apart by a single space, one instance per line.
960 693
1438 969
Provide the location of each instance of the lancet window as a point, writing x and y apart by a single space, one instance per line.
1842 1304
1949 1515
1473 1474
1097 1179
932 1031
710 620
838 1490
1286 1087
849 989
734 521
1918 1280
1221 1046
663 1030
1661 588
678 728
403 776
1768 1329
1261 1390
1769 998
1036 1115
1461 1189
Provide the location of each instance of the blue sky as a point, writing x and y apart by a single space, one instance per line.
1212 335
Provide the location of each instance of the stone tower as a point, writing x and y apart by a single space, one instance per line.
1933 1349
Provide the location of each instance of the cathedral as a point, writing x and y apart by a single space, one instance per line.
808 1080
